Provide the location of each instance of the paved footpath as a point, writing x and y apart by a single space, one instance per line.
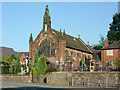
41 86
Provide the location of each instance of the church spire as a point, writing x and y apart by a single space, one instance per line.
46 19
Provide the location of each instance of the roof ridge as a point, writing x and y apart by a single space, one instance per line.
5 47
85 45
112 45
66 34
37 36
77 39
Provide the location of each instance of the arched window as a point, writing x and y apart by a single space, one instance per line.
46 47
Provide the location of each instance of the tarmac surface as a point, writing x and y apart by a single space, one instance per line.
44 86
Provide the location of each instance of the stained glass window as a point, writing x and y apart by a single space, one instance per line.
46 47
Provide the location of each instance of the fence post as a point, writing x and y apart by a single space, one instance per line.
72 81
88 82
99 83
84 81
106 82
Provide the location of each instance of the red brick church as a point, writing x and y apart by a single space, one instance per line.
60 49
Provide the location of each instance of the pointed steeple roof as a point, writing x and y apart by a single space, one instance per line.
46 19
47 11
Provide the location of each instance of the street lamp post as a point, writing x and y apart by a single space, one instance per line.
82 65
68 65
61 64
72 66
101 66
13 68
2 68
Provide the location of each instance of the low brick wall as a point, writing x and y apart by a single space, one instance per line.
85 79
15 78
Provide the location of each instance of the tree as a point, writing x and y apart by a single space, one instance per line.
41 66
107 64
87 62
114 32
34 71
6 63
18 63
82 64
36 59
117 63
101 41
18 58
97 47
12 56
13 66
24 67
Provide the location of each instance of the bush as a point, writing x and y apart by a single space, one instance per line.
5 70
18 68
34 71
41 66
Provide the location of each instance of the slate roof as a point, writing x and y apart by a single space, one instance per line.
115 45
96 53
21 53
73 42
26 53
5 51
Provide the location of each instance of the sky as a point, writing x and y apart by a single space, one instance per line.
89 19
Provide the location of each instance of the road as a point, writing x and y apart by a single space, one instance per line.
43 86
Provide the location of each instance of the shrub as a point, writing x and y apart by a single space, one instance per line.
36 59
41 65
34 71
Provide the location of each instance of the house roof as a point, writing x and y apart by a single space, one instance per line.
97 55
115 45
26 53
21 53
73 42
5 51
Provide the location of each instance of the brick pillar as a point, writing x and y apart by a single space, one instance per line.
62 47
103 59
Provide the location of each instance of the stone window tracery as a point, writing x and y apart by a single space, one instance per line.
46 47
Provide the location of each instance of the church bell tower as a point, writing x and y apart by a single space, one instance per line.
46 20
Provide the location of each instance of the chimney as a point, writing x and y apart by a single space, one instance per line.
106 43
